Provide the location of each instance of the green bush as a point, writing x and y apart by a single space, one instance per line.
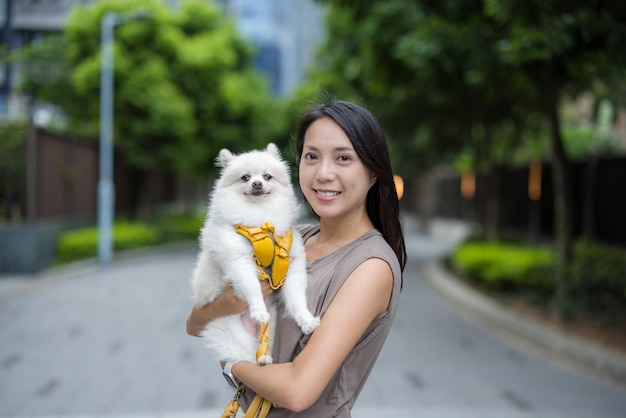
598 280
596 276
175 228
83 243
505 266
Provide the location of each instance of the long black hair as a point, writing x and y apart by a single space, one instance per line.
368 140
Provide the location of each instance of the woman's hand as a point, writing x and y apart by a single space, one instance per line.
225 304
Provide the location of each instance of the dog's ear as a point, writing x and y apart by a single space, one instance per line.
273 149
223 158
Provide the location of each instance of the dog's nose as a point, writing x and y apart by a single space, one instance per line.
257 185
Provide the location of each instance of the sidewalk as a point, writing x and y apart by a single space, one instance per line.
550 342
91 342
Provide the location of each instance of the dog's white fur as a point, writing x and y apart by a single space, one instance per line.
253 188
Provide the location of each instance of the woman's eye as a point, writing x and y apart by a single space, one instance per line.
310 156
344 158
245 178
267 176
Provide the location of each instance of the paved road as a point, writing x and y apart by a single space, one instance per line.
92 342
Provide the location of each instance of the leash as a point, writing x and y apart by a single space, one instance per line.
270 251
259 407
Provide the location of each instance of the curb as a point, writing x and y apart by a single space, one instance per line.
556 344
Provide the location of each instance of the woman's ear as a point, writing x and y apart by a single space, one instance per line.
373 179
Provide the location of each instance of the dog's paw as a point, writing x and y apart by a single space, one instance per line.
264 360
309 325
260 317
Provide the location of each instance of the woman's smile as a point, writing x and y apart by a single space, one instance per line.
326 195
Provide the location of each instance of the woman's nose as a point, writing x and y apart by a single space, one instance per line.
325 171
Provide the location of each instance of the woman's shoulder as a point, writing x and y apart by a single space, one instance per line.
373 241
375 246
370 245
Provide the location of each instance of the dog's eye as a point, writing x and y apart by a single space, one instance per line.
245 177
267 176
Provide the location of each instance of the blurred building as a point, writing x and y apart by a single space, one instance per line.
23 22
285 33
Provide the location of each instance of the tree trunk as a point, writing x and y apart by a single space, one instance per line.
137 182
425 204
191 192
492 206
31 171
492 180
561 182
589 196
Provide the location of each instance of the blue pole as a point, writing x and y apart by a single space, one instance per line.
106 187
5 89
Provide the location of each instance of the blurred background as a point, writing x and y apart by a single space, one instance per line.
508 115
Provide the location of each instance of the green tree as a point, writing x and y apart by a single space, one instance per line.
455 75
562 48
185 86
431 78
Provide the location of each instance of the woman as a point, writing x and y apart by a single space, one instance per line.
355 259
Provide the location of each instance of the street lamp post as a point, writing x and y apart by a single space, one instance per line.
106 186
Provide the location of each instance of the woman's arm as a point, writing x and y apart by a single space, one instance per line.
225 304
297 385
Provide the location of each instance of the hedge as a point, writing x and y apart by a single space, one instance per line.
175 228
83 243
504 265
598 280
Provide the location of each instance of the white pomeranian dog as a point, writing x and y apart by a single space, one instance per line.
253 189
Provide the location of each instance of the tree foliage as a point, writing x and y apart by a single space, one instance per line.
185 86
426 70
475 75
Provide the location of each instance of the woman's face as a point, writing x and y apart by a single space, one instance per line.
332 177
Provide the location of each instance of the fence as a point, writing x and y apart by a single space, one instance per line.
61 192
599 200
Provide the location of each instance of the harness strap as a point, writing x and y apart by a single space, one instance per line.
262 241
281 258
264 341
259 408
231 409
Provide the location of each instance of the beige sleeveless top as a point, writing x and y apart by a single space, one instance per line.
326 276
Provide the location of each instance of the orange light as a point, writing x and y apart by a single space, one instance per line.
399 186
534 180
468 184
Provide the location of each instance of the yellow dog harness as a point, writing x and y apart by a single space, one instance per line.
270 252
